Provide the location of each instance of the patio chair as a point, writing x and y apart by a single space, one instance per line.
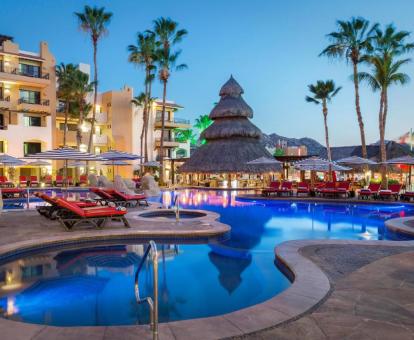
272 189
103 196
303 188
59 181
285 188
83 180
407 196
4 182
71 215
126 199
371 192
393 191
48 181
343 188
51 210
329 189
34 181
69 180
23 181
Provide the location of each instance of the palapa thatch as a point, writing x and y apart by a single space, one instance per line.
232 140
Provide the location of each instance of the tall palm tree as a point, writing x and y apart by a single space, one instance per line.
94 20
322 93
168 35
65 90
351 42
82 87
388 45
144 54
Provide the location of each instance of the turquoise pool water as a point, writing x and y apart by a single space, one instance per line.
94 285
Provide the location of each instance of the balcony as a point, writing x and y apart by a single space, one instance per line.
169 142
100 139
38 106
12 74
5 102
101 118
174 123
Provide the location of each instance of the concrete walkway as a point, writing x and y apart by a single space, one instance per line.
368 300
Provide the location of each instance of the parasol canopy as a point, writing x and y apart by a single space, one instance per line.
356 160
115 155
319 164
65 154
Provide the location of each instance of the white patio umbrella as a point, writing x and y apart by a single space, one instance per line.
356 160
65 154
115 155
404 160
319 164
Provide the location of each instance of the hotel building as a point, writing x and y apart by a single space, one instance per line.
27 99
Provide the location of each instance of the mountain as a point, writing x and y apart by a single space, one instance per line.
314 147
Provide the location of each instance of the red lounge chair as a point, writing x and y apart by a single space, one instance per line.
303 188
285 188
50 210
329 189
48 181
343 188
372 191
407 196
83 179
34 181
12 192
274 186
23 181
392 192
69 180
71 215
103 196
125 199
59 180
4 182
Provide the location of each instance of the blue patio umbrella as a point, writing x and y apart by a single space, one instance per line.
115 155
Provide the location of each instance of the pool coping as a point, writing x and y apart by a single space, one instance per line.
400 226
308 290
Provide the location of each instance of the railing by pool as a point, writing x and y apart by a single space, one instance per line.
152 302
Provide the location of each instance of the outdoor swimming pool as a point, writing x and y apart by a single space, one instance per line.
95 285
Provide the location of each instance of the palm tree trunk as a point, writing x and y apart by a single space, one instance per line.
359 114
147 121
80 122
144 116
65 125
383 155
328 147
95 95
164 98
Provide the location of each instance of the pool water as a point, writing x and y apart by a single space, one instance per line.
94 285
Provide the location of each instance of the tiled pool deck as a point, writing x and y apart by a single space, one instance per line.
342 289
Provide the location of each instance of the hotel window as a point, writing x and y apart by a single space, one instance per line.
32 121
29 70
2 146
31 148
30 97
2 126
71 127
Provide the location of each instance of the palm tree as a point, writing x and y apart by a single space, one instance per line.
144 54
185 135
82 87
202 123
168 35
94 20
385 71
65 90
322 93
351 42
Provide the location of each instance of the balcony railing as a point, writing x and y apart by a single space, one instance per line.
38 75
4 99
45 102
167 139
175 120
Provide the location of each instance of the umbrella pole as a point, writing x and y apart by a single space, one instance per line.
409 176
113 171
66 173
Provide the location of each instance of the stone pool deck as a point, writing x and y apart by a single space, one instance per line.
342 289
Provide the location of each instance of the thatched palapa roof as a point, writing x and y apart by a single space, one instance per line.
232 140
